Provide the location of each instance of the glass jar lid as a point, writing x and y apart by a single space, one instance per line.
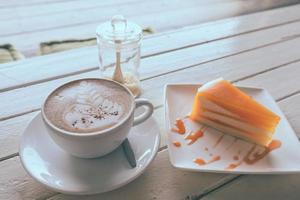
119 30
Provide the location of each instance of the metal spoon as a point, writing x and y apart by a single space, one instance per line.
129 154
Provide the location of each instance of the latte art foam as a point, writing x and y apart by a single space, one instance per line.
87 105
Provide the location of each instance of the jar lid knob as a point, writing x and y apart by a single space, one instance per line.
119 28
119 24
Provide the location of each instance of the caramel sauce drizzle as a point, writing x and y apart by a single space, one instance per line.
179 127
200 161
214 159
233 166
236 157
231 126
275 144
219 140
194 136
177 144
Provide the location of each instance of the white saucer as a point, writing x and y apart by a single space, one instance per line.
59 171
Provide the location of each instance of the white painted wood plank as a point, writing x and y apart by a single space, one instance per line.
27 42
17 3
35 194
30 98
230 68
275 187
35 10
278 80
15 184
28 73
291 108
50 8
96 14
268 72
10 131
160 181
71 197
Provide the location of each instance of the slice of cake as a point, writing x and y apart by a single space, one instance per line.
222 106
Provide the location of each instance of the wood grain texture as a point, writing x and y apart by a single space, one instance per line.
291 108
31 9
80 61
265 66
99 13
260 187
232 68
15 184
30 98
10 131
160 181
279 82
79 15
28 42
85 59
17 3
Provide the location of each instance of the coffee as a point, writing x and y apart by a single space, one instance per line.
88 105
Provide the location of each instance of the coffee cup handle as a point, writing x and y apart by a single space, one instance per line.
146 114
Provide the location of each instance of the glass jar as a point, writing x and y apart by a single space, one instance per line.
119 52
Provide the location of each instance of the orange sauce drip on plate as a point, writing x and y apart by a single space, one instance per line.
233 166
194 136
179 127
236 157
275 144
177 144
199 161
214 159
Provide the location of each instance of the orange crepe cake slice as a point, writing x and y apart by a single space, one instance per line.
221 105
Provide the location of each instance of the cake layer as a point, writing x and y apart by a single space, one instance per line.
216 114
214 111
223 90
226 108
222 93
228 129
250 115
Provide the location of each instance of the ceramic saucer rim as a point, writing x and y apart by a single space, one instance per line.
72 192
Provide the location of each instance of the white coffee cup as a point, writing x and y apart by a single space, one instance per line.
99 143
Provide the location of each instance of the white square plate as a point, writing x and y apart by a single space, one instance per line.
178 103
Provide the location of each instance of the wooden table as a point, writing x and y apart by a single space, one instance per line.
26 24
258 50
